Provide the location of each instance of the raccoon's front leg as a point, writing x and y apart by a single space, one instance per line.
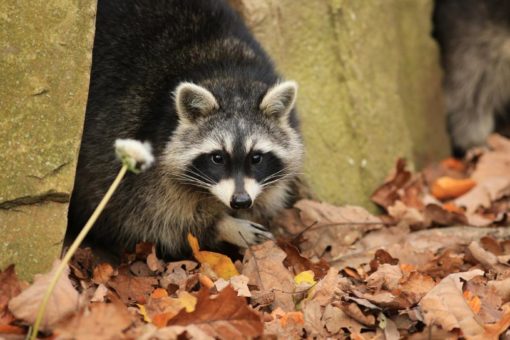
242 233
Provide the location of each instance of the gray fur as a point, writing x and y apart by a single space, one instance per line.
474 37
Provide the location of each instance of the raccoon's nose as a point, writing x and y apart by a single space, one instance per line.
240 201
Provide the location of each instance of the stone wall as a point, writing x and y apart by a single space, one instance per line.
45 49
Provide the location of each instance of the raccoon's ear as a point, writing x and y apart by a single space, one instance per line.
193 101
279 100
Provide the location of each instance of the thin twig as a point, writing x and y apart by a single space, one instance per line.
72 249
329 225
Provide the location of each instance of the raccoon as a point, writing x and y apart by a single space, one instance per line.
474 38
188 77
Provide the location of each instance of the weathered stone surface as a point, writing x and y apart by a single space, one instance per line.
45 49
369 85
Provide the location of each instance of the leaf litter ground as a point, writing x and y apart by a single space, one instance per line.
434 265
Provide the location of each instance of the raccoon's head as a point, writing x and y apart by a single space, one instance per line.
236 142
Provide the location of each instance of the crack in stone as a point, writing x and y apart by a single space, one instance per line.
59 197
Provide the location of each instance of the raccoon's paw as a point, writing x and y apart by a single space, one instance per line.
242 233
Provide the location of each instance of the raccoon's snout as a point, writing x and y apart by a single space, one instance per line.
240 201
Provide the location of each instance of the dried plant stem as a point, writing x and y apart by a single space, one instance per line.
72 249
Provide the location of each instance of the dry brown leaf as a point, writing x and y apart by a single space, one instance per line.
404 213
312 312
300 263
64 300
10 286
416 286
102 273
446 306
334 229
99 294
387 194
263 265
323 292
224 316
502 288
487 259
335 319
101 321
132 289
285 325
352 309
150 332
386 276
153 262
238 282
439 215
484 193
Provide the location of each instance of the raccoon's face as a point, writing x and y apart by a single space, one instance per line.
235 145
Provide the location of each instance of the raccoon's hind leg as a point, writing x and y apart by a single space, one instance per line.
242 233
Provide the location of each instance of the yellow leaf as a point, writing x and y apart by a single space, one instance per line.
305 277
222 265
143 312
187 301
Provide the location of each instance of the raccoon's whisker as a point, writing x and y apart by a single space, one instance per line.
277 175
193 181
196 177
202 174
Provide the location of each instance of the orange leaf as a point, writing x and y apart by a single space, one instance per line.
453 164
159 293
292 317
222 265
408 268
225 316
9 329
452 207
161 320
447 187
473 301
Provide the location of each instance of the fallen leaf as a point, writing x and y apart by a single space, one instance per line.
487 190
222 265
300 263
99 294
285 325
386 276
387 194
10 287
445 305
416 286
132 289
153 262
324 291
312 313
437 214
101 321
150 332
447 187
102 273
335 319
263 265
63 301
225 316
239 283
333 229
